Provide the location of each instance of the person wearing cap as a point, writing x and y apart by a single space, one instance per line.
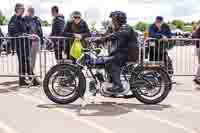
76 28
160 30
57 30
16 28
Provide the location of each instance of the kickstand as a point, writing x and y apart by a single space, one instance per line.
83 105
86 101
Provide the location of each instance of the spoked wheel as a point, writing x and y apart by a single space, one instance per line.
64 84
157 87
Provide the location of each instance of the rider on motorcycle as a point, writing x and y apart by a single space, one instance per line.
124 48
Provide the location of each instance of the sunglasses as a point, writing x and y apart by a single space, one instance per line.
77 17
21 8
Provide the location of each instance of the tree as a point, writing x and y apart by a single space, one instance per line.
198 22
179 24
106 24
45 23
141 26
193 23
2 20
93 27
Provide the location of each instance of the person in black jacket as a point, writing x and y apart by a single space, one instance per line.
57 30
124 49
1 33
16 28
76 28
1 40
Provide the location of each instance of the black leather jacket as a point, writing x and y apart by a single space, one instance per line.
126 45
17 26
58 26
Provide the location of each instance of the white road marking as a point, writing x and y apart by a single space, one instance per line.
105 130
74 116
185 108
191 94
153 117
6 128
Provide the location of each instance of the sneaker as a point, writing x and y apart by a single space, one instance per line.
23 83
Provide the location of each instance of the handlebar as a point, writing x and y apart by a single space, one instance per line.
92 39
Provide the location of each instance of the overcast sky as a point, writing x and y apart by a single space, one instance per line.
97 10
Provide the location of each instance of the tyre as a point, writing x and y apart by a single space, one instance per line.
157 87
64 84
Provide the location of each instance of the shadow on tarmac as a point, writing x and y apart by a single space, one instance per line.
105 108
9 83
9 89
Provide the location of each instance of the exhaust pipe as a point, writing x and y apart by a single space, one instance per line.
138 84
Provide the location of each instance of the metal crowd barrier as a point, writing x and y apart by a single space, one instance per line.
55 50
17 56
177 55
20 56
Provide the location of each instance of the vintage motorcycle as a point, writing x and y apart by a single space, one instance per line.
66 82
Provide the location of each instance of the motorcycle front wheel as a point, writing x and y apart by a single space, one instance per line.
64 84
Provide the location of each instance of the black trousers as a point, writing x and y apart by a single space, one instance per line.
157 53
23 49
58 49
160 54
113 68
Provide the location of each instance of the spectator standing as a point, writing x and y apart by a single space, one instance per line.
160 30
35 28
76 28
57 30
196 35
1 40
16 28
1 33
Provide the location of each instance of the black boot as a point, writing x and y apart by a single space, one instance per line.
117 90
36 82
22 82
197 81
